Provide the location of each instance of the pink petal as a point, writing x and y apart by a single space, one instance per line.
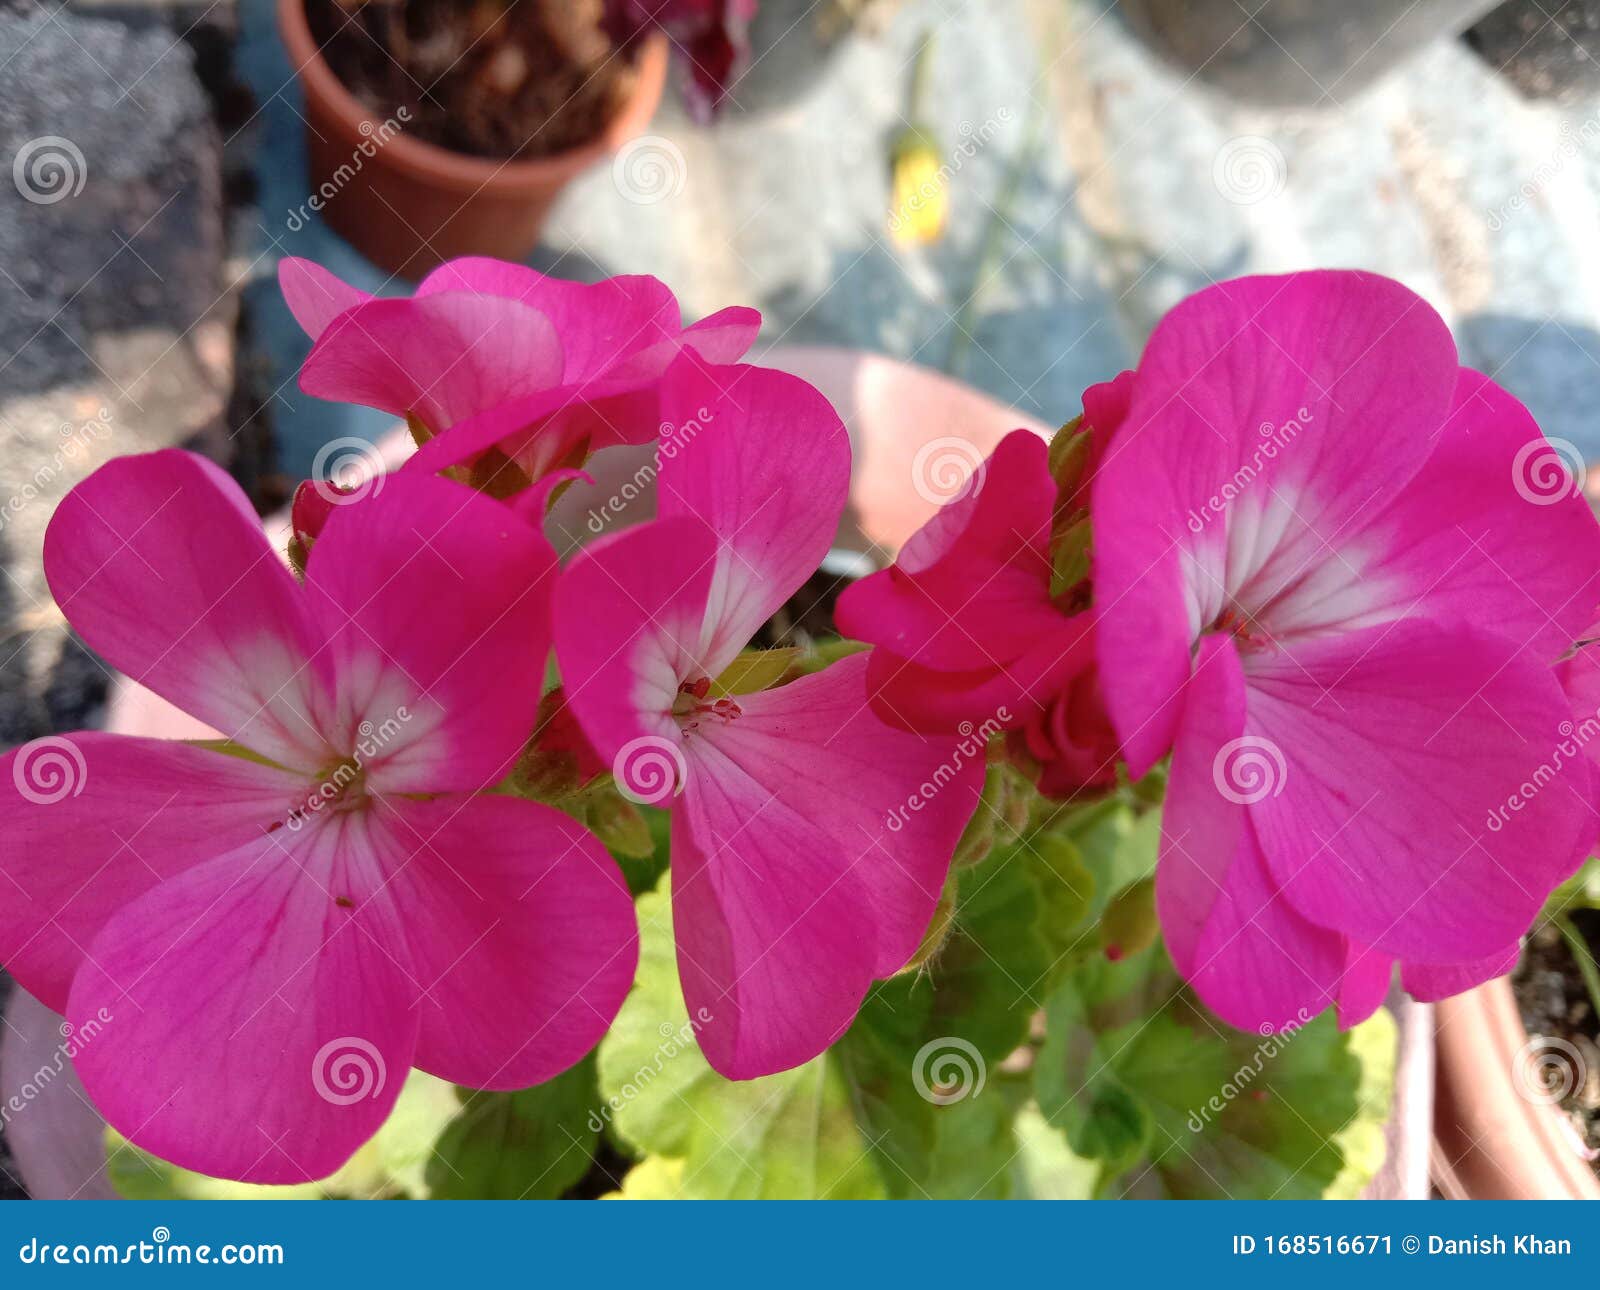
740 440
725 336
162 567
523 940
1248 953
257 1019
971 589
315 297
629 613
914 697
1269 416
1425 809
768 923
435 601
1494 532
442 358
93 821
1430 982
898 801
809 850
1367 976
600 323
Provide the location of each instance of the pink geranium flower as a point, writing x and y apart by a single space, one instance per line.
1323 580
810 841
280 926
966 628
489 354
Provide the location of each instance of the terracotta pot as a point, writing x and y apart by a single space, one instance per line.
408 205
1494 1137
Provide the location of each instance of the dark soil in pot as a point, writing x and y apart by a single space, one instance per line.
504 79
1562 1060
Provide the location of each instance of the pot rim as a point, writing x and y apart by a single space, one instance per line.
1512 1145
456 170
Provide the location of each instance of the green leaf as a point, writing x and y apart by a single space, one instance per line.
754 670
1066 894
1173 1102
900 1106
531 1144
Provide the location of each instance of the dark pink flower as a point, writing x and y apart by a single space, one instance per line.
810 842
1323 581
967 631
488 354
281 926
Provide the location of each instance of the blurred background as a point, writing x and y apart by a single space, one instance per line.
1009 192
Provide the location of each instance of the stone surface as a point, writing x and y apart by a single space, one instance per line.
115 323
1546 48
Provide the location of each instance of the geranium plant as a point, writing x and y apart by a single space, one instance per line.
1079 862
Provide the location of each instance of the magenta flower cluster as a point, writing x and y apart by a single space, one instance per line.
1299 560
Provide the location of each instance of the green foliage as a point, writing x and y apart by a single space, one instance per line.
854 1123
532 1144
1171 1102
